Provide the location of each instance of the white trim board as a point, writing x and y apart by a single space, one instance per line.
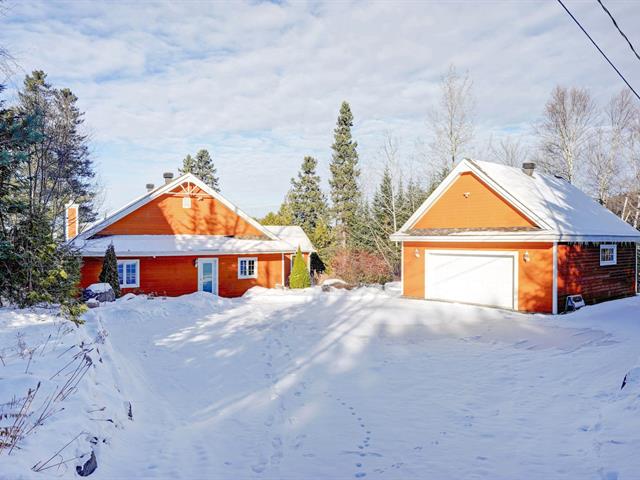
514 255
554 291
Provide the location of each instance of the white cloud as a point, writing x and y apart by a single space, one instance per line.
260 84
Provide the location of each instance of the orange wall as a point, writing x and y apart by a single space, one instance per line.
173 276
535 277
481 208
165 216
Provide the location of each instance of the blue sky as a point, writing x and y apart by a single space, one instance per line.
260 84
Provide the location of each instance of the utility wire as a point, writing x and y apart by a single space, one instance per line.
619 29
599 49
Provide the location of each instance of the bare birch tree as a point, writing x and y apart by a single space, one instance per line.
609 147
451 121
565 131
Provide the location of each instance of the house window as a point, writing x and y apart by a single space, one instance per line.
186 202
608 254
247 268
129 273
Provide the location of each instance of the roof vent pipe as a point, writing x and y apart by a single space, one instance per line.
528 168
168 176
149 186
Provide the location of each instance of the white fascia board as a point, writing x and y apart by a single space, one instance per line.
462 167
147 197
515 237
193 253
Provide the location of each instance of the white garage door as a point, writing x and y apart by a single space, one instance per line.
483 278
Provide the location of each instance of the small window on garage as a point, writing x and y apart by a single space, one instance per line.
247 268
129 273
186 202
608 255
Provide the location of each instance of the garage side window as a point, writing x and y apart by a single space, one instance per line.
129 273
608 255
247 268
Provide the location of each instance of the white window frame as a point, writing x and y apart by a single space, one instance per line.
186 202
124 264
255 267
614 249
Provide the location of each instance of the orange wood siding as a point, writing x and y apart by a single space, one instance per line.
173 276
481 208
166 216
580 272
535 277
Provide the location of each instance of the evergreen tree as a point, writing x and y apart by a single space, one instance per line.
188 165
284 215
205 170
299 277
60 169
345 192
308 203
109 273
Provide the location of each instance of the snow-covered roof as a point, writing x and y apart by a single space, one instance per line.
562 211
177 245
293 235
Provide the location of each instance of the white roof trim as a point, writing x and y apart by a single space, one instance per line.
527 237
147 197
463 167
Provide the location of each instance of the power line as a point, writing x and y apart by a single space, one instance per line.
599 49
619 29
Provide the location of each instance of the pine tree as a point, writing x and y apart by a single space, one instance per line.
188 165
284 215
308 203
109 273
345 192
299 277
205 170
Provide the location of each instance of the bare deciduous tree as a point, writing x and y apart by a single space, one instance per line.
509 151
451 121
609 147
565 131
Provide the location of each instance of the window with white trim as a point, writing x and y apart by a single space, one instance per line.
608 255
248 268
186 202
129 273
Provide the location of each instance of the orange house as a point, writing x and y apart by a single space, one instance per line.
517 239
185 237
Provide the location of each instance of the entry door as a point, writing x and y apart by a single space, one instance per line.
481 278
208 275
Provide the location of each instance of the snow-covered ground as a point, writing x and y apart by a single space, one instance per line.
340 384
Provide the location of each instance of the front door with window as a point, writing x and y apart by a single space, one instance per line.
208 275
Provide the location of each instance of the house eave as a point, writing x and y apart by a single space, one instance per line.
525 237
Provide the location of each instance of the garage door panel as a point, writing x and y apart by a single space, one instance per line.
479 278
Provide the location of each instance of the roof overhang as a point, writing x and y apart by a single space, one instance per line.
525 237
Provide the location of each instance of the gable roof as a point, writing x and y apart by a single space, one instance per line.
148 196
293 235
560 210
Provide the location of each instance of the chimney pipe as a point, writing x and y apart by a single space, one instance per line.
150 186
168 176
528 168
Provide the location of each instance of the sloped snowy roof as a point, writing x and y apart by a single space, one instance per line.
176 245
293 235
562 211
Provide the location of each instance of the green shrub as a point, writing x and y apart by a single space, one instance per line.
299 277
109 273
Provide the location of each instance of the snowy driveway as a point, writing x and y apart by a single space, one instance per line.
363 385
